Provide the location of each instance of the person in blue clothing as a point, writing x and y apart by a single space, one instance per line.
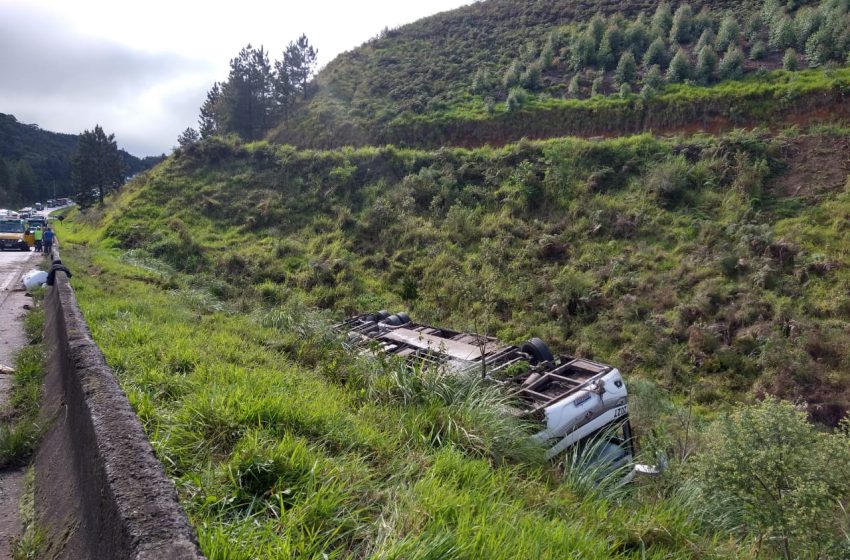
47 239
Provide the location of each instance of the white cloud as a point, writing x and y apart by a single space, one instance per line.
141 69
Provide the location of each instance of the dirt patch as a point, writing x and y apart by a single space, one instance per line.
11 487
817 166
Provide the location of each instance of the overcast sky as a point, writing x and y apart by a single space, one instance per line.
142 69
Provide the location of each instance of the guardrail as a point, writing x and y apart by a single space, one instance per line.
100 492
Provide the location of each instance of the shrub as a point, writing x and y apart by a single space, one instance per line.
530 79
574 87
732 64
636 37
790 61
669 180
516 98
679 69
707 38
626 69
625 90
596 87
779 476
583 51
782 33
728 34
662 21
682 30
512 75
758 50
654 78
818 48
610 45
656 54
706 64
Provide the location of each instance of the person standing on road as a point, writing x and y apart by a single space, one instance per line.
47 239
38 238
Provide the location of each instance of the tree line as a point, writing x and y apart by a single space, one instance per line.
258 92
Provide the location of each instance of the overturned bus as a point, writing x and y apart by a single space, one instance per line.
572 399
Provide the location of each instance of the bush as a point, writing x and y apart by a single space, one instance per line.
574 87
516 99
782 33
732 64
790 61
758 50
682 30
728 34
626 69
596 87
706 64
679 69
656 54
662 21
707 38
654 78
530 79
779 476
669 180
512 75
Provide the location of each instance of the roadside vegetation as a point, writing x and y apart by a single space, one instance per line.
711 270
19 425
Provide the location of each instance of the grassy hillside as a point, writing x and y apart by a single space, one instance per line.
714 266
710 270
494 71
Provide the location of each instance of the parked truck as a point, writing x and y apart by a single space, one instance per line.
571 399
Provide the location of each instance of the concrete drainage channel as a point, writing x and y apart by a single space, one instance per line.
100 492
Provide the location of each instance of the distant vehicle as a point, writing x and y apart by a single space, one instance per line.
39 206
573 400
37 221
12 235
51 203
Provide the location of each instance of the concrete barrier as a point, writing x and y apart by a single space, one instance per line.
100 492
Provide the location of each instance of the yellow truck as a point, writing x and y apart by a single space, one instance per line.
13 235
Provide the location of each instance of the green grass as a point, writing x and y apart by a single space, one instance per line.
20 430
210 284
278 453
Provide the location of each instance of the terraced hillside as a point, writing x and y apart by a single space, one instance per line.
498 71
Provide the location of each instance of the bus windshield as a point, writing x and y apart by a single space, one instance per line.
12 226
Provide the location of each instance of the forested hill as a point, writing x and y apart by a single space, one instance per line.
447 79
35 164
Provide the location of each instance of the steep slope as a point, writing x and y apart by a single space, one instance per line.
447 80
48 156
712 265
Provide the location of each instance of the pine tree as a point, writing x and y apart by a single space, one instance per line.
512 75
626 69
596 29
208 122
782 34
682 30
679 69
247 97
707 38
636 37
758 50
732 64
662 21
656 54
583 51
703 21
654 78
790 61
188 137
530 79
728 34
97 167
706 64
300 58
596 87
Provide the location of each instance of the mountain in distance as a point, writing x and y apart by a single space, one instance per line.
35 164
